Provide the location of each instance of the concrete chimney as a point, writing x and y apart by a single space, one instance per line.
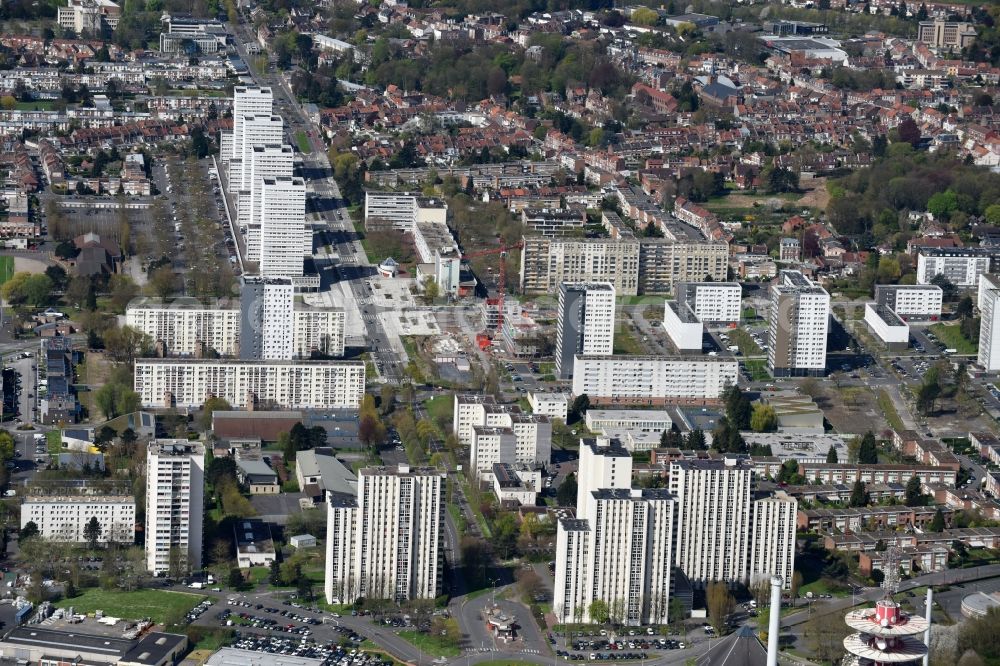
927 634
774 620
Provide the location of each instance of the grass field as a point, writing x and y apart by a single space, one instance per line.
432 645
625 341
440 409
53 439
159 605
305 146
951 337
748 346
889 409
757 369
39 105
6 268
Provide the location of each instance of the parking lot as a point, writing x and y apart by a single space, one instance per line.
331 653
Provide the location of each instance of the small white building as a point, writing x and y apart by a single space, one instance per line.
516 484
682 326
300 541
887 326
553 405
254 547
650 420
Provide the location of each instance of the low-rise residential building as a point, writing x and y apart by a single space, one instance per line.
962 266
516 484
600 420
847 473
887 326
912 302
63 515
254 546
553 405
851 519
683 327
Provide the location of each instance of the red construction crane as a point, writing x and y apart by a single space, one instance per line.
502 286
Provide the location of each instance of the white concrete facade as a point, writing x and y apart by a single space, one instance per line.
282 227
989 326
682 326
653 379
887 325
585 323
799 325
620 555
289 384
247 100
914 300
491 445
772 541
628 419
553 405
713 519
182 329
175 487
962 266
604 463
712 302
270 161
63 518
386 544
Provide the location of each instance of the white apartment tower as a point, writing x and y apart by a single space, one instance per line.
175 485
386 543
257 130
604 463
711 302
621 555
989 326
501 433
586 323
772 540
266 161
282 227
799 323
267 328
247 101
713 519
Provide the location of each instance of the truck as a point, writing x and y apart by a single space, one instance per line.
197 586
951 351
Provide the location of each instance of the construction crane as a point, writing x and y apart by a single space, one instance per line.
502 286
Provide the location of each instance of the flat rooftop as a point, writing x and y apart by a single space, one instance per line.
628 415
683 312
885 313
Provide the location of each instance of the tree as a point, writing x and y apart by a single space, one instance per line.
371 430
58 276
164 282
937 522
948 289
275 574
696 440
859 495
92 532
566 495
213 404
831 455
913 493
868 451
964 307
579 407
7 447
909 132
645 16
738 407
796 584
505 532
235 580
125 344
431 289
720 605
599 611
29 531
927 395
764 419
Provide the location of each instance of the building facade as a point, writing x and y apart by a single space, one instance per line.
164 382
63 518
799 323
585 323
962 266
712 302
282 227
649 380
989 326
175 486
911 302
386 542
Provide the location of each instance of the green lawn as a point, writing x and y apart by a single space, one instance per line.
305 146
431 645
889 409
951 337
757 369
440 409
625 341
160 605
38 105
6 268
748 346
186 92
53 439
